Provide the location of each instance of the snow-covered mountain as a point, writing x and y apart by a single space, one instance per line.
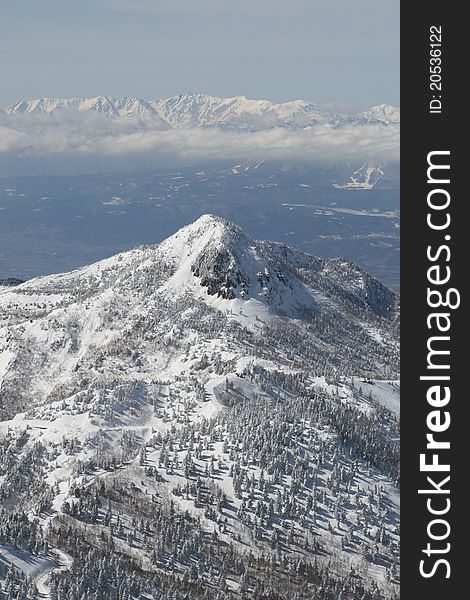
383 113
130 108
201 110
211 266
219 410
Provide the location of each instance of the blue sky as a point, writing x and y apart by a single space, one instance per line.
343 51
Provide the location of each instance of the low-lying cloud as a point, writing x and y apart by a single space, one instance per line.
70 142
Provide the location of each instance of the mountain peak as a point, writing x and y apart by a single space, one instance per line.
383 113
217 227
207 230
215 251
102 104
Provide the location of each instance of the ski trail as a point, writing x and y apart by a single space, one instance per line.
64 563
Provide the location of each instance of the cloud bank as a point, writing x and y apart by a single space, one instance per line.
72 142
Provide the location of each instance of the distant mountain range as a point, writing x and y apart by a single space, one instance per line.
10 282
201 110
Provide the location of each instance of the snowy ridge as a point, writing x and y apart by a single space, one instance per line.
382 113
122 108
213 413
196 110
201 110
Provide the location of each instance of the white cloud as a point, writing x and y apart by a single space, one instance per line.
69 141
